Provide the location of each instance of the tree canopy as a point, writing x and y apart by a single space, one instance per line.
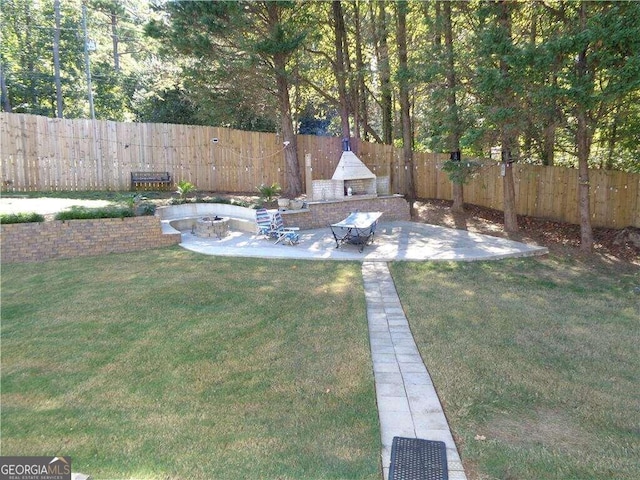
219 63
549 82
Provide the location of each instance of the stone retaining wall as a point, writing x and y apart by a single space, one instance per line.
37 242
195 210
323 214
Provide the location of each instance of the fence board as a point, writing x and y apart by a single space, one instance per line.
39 154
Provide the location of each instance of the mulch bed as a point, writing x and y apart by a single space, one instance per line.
560 238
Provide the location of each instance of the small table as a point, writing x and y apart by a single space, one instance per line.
358 228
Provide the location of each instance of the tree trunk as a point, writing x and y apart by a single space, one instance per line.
548 147
4 93
551 116
114 37
452 116
56 59
582 140
380 35
510 215
583 144
508 137
612 138
293 178
28 58
360 100
341 74
405 113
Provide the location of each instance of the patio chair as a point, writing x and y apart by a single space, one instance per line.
284 234
264 222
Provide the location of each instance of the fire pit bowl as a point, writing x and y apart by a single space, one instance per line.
215 226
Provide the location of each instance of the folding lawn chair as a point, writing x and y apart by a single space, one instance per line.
284 234
264 222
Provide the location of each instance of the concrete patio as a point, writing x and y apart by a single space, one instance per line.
393 241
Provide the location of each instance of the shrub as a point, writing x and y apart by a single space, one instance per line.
181 200
145 209
83 213
226 201
269 193
32 217
184 188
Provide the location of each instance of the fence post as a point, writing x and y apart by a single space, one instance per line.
308 175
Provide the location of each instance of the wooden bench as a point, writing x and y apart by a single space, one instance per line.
151 181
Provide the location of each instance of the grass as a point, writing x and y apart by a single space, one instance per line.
536 362
169 365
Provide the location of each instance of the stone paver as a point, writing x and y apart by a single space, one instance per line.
408 405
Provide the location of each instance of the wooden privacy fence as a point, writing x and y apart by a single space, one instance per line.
44 154
40 153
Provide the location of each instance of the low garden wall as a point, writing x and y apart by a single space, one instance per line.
183 217
37 242
323 214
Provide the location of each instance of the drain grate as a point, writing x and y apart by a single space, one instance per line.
417 459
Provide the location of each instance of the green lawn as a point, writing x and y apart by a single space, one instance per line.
172 365
536 362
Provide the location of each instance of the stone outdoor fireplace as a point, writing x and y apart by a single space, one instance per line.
356 178
351 178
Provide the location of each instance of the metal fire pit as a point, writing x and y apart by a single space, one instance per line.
208 227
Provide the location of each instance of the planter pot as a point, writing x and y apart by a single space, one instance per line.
283 202
295 204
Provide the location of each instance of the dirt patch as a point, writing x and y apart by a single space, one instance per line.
621 246
552 429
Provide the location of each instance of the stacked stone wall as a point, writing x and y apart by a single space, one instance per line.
37 242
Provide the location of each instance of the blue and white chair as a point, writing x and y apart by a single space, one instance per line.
284 234
264 222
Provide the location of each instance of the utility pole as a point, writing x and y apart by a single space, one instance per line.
87 65
56 59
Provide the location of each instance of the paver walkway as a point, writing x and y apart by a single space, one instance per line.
408 405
